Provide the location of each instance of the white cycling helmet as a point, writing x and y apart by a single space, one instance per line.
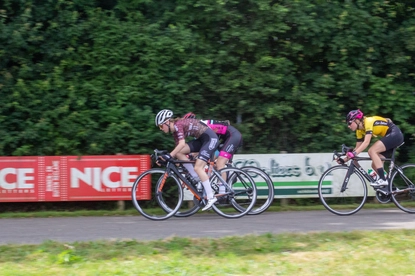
163 116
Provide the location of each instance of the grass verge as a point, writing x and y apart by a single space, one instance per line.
350 253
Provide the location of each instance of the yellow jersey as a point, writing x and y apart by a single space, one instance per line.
375 125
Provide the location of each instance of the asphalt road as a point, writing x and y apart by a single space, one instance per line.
37 230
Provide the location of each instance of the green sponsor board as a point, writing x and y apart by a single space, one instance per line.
300 191
291 188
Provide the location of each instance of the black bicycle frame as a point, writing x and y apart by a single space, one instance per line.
355 167
172 168
363 173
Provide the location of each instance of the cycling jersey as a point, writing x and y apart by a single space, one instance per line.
231 137
206 140
219 127
392 136
188 127
375 125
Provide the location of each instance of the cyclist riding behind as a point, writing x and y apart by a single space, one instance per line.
205 143
231 140
366 128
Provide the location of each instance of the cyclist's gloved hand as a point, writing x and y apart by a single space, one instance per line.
340 161
351 154
166 157
191 157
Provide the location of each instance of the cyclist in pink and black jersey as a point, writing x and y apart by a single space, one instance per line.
231 139
206 142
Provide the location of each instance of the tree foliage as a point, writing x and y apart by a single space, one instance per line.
87 77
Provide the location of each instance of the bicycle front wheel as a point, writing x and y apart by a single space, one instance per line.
241 193
403 188
339 201
155 195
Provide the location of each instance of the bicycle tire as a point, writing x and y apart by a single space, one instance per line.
244 193
184 210
265 189
404 200
342 203
190 212
170 194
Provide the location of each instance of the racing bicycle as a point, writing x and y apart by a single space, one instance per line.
263 183
157 194
343 190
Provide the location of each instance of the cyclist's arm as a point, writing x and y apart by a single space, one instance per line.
361 146
180 145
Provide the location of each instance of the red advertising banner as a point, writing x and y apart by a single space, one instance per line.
71 178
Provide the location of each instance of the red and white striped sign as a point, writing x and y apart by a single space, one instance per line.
71 178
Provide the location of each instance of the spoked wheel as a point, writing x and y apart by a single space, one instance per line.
265 190
403 188
241 199
340 202
165 194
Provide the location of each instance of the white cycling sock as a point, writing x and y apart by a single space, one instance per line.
189 167
208 189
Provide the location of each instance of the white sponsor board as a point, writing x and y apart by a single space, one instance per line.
295 175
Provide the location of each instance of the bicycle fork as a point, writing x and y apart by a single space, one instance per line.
347 178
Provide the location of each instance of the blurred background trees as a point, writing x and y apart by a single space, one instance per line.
87 77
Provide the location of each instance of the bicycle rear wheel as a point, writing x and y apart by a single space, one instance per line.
342 203
403 188
265 190
164 194
240 199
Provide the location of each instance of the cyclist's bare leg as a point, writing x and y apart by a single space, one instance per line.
199 168
182 155
374 153
221 162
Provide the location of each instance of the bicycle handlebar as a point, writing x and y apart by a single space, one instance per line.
345 150
157 153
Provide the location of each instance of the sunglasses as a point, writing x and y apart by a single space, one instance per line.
350 122
161 125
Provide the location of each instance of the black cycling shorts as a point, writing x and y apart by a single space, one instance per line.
392 139
205 145
232 142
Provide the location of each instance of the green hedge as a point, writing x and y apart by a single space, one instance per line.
87 77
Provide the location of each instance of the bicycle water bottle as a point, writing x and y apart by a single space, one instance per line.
222 189
199 186
192 180
373 174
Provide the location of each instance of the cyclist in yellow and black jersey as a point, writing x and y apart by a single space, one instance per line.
368 127
375 125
